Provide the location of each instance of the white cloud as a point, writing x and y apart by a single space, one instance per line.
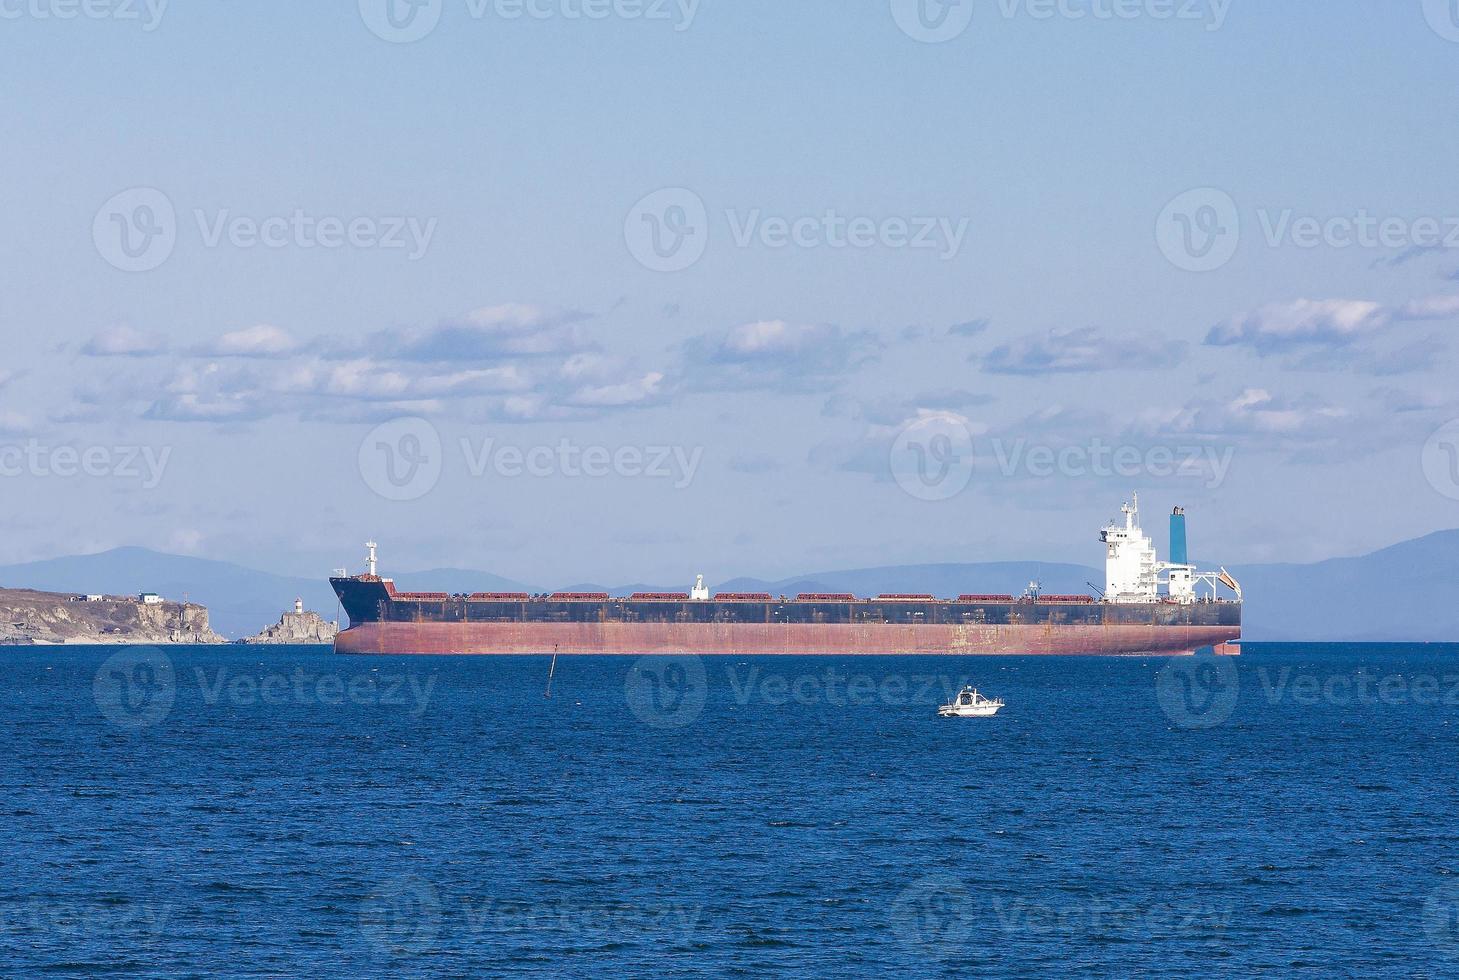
1251 412
124 341
15 424
516 364
776 355
1322 323
637 392
1081 350
493 333
262 340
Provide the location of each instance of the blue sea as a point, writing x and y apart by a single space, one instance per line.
270 812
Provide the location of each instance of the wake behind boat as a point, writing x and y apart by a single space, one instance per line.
970 704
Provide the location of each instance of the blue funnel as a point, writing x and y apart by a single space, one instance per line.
1179 555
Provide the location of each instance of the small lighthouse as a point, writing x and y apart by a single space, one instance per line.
299 606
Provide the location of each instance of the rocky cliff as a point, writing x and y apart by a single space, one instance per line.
48 617
297 627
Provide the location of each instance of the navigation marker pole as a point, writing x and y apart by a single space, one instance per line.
550 671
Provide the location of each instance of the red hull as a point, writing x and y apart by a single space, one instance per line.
751 639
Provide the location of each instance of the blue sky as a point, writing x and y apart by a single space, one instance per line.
462 229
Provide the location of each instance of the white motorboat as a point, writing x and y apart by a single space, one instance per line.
970 704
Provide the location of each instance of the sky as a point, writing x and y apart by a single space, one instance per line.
622 290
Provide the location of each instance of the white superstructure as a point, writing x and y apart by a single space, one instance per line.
1129 564
1132 570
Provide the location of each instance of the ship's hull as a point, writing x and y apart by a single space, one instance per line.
750 639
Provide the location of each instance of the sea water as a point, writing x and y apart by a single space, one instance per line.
180 812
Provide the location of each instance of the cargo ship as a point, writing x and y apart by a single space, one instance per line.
1147 606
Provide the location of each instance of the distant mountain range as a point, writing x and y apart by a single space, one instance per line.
1409 592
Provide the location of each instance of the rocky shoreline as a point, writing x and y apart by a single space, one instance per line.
297 628
31 618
